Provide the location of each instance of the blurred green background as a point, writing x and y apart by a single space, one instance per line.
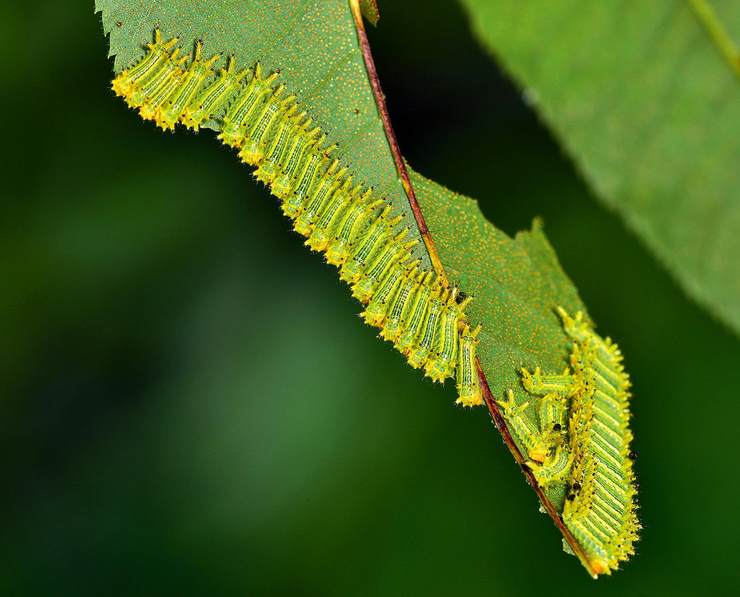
191 406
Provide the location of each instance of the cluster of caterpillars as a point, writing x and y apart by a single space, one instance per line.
583 440
357 231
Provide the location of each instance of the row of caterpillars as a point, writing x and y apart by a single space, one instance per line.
357 232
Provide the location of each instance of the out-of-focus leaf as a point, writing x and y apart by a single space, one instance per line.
644 101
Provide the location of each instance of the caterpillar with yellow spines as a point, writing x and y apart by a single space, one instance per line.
593 454
602 513
355 229
468 384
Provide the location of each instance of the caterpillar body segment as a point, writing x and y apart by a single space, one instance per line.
357 231
468 385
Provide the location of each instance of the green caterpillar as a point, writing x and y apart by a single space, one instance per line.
583 440
357 232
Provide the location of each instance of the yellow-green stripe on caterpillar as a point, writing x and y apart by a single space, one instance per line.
357 231
592 453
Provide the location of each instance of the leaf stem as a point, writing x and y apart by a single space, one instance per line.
721 38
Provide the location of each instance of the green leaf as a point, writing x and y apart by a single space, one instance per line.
516 284
645 98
